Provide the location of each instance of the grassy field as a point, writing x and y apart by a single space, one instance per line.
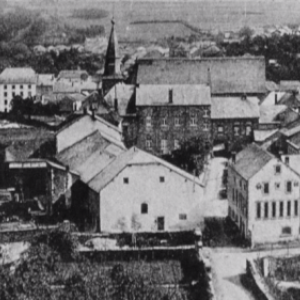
219 15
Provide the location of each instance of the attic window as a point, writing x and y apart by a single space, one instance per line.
161 179
126 180
277 169
144 208
182 216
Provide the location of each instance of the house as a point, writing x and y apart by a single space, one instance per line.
64 86
263 196
136 191
16 81
225 75
233 119
168 114
73 75
45 83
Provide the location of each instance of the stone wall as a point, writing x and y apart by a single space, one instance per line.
179 127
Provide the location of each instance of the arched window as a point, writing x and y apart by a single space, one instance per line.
144 208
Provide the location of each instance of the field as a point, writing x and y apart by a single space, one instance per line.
206 15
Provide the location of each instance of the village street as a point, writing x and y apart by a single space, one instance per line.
214 206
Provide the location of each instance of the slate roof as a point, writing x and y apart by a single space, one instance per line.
124 94
225 75
18 75
261 135
294 162
250 160
288 85
45 79
270 98
65 86
290 132
185 94
270 113
78 153
133 156
72 74
290 100
234 108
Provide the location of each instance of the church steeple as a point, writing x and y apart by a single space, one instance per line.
112 60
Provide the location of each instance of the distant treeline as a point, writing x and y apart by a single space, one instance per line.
90 13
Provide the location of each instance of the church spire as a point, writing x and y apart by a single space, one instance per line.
112 59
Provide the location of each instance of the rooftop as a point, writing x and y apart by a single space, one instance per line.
185 94
262 135
225 75
66 86
270 113
294 162
234 108
133 156
124 94
45 79
18 75
250 160
73 74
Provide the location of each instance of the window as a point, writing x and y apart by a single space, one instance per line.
286 230
273 209
164 146
21 86
13 87
236 130
161 179
266 210
29 86
287 160
205 115
193 120
5 94
277 169
149 143
148 121
277 185
258 210
296 208
5 102
220 129
29 94
5 110
125 180
288 212
164 121
13 94
144 208
182 216
177 121
281 209
160 223
205 126
248 130
176 144
289 187
266 188
5 87
21 94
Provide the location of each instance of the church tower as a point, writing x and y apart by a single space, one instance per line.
112 68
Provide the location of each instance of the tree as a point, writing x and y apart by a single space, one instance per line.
191 155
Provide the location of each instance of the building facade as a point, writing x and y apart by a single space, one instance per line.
263 196
16 82
168 115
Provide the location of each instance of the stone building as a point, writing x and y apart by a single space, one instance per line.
233 119
170 114
263 196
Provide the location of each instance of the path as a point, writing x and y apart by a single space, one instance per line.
213 205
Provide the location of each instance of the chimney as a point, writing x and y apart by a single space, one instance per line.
276 98
116 104
233 155
170 96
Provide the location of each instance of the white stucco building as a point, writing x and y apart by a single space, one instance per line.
16 81
263 196
140 192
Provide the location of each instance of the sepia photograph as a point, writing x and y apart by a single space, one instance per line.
149 150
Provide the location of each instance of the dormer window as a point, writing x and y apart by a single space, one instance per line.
164 121
177 120
205 115
193 120
149 142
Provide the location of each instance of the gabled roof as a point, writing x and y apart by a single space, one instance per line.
225 75
289 85
133 156
124 94
270 98
290 132
234 108
183 94
18 75
261 136
45 79
65 86
250 160
270 113
72 74
290 100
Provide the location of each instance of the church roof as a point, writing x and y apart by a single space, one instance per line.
112 60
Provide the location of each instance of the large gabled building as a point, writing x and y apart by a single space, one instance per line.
263 196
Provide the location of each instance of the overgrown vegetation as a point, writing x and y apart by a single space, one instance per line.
52 269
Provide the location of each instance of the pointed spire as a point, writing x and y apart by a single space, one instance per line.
112 59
